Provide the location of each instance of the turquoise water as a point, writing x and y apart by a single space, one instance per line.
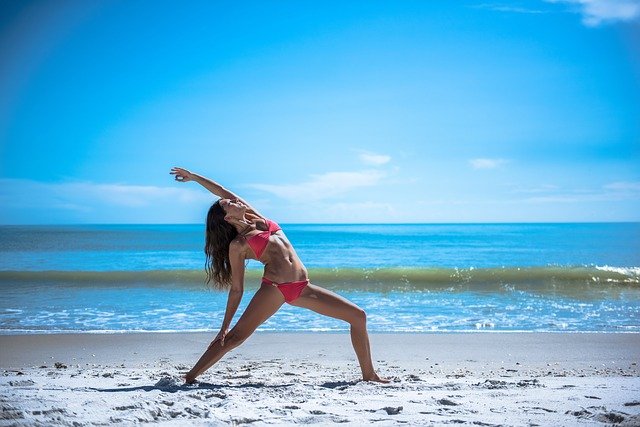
410 277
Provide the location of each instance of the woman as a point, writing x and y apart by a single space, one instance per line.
236 232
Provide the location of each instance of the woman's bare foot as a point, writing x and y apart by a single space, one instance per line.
188 379
377 379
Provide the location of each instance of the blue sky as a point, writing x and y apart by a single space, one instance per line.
364 111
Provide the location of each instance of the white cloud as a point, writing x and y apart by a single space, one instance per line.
359 212
323 186
623 186
27 201
483 163
571 198
596 12
544 188
613 192
508 8
374 159
125 195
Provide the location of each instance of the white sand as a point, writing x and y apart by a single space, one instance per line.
474 379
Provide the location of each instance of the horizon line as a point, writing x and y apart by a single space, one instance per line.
320 223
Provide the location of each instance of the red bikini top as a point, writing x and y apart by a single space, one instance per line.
259 241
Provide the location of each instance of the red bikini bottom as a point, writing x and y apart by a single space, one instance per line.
290 290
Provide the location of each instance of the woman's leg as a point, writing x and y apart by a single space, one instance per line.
266 301
330 304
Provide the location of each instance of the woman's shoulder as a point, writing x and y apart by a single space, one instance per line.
238 244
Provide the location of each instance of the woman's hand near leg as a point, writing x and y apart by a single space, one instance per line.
266 301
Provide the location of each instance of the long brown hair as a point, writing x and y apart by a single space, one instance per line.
218 236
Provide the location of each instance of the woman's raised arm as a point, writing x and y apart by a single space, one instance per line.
184 175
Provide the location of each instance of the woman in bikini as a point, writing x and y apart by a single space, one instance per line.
236 232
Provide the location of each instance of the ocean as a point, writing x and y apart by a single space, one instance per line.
408 277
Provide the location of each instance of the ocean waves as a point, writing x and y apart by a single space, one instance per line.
551 278
509 277
167 309
552 299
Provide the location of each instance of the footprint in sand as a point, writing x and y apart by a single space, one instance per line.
207 396
168 384
390 410
50 411
127 407
540 408
529 383
447 402
611 417
10 413
191 411
21 383
492 384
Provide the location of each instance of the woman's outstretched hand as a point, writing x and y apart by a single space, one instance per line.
181 174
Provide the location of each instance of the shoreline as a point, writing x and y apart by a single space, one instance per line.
19 332
290 378
559 345
480 331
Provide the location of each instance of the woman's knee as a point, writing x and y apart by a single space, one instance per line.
236 336
358 317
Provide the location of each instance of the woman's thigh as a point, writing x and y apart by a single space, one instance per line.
264 303
329 304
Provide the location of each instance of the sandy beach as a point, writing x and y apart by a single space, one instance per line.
307 378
